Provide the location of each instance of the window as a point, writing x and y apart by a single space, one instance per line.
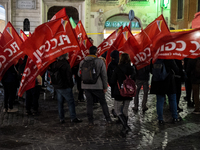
180 9
198 7
26 25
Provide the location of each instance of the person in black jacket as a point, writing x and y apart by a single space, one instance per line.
64 87
166 87
111 67
10 84
194 72
124 68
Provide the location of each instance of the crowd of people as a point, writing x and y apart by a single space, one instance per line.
178 72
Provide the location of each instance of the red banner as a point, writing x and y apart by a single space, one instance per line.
80 31
29 76
10 50
23 35
60 14
107 43
153 32
178 45
76 56
50 40
118 44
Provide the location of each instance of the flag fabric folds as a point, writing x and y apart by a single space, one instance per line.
10 51
50 40
107 43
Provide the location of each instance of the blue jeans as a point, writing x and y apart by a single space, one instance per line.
172 103
65 94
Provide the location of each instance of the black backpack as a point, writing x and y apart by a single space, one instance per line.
56 79
159 71
89 72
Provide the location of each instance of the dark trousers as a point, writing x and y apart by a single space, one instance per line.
188 88
32 96
80 90
10 89
178 90
195 88
100 96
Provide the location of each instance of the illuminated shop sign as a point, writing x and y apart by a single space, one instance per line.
117 24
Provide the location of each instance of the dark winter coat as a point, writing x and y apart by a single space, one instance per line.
119 75
65 72
10 76
168 85
190 70
111 67
143 73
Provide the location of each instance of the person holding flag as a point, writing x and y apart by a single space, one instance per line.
10 84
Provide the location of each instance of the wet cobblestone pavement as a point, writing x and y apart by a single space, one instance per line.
44 132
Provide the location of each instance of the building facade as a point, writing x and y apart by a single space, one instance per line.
182 13
98 16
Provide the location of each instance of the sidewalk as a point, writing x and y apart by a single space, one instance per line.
44 132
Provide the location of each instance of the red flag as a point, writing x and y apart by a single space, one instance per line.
60 14
178 45
139 55
78 56
118 44
10 51
196 21
106 44
29 35
23 35
80 31
50 40
155 30
29 76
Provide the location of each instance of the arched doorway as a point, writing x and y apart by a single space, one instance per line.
2 18
118 20
70 11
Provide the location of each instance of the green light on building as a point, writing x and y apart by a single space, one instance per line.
164 3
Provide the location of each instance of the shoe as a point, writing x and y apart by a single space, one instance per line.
114 114
145 109
76 120
135 109
5 110
196 112
161 122
175 120
13 110
62 121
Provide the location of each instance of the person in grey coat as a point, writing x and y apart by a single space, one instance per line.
97 90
